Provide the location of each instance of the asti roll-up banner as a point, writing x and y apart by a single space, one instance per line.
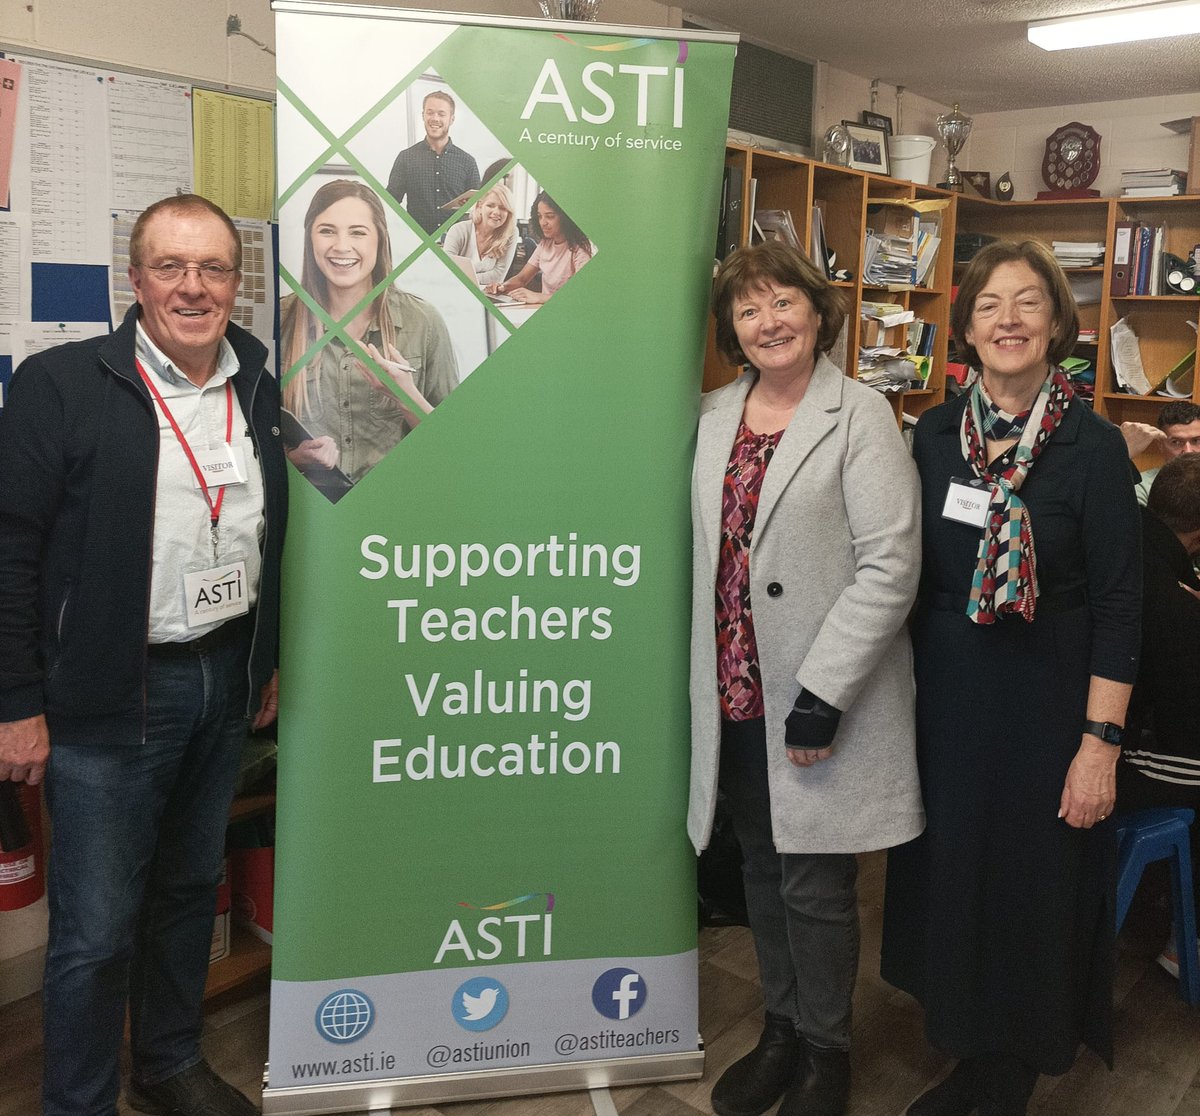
496 241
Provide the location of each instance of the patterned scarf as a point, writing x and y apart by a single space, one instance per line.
1005 578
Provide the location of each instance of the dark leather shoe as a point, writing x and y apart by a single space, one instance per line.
956 1095
753 1083
824 1087
196 1091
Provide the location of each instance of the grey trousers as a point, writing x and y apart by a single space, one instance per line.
803 907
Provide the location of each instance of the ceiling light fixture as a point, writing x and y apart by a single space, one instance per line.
1121 25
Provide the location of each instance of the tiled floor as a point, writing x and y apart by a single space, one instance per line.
1158 1040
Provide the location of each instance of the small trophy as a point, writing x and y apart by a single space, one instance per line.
954 128
585 10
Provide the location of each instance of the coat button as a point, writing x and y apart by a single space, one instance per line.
774 589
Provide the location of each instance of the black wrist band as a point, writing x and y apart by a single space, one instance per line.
1106 730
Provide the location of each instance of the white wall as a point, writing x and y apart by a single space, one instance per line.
191 41
842 96
1131 136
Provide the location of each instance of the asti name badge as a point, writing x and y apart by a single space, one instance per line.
217 593
967 501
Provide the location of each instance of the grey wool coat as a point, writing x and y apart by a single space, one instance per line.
837 535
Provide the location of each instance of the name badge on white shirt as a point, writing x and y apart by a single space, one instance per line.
217 593
220 466
967 501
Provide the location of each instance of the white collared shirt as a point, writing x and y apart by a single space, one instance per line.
182 535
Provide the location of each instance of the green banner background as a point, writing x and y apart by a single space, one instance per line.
581 422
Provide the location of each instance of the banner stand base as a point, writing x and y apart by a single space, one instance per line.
445 1088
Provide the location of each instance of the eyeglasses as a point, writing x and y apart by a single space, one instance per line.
211 274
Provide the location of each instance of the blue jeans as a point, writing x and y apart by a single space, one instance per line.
138 837
803 907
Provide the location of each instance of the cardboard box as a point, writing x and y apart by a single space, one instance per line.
892 220
874 334
252 874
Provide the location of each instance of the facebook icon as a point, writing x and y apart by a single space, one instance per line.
619 993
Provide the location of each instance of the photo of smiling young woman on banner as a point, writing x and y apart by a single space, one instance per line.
385 358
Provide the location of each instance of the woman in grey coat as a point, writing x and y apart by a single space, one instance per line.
804 501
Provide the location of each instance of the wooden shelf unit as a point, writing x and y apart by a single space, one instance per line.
1160 321
796 183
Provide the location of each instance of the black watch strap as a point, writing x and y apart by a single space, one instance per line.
1106 730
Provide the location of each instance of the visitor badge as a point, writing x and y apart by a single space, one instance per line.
217 593
220 466
967 501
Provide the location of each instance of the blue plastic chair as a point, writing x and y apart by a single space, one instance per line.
1143 837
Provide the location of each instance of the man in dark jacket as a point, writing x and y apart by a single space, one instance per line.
142 511
1161 760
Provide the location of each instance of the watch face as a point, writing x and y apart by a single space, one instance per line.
1106 730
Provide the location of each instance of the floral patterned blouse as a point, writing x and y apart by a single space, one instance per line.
739 681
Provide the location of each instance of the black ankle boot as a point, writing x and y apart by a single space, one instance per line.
957 1095
823 1089
753 1083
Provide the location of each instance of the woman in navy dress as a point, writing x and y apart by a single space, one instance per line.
999 917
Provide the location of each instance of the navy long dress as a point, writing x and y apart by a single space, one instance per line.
999 917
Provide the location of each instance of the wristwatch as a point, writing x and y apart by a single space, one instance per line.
1106 730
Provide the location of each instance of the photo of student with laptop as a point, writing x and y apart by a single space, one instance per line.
564 248
488 241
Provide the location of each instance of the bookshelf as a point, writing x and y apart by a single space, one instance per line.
797 184
1160 321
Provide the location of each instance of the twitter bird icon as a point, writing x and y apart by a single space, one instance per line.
479 1004
479 1007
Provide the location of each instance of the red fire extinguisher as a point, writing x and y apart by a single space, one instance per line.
22 877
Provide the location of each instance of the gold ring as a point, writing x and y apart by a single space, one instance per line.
1102 817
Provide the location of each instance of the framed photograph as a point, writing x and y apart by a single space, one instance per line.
868 148
980 180
877 120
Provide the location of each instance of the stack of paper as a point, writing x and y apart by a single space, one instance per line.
1127 359
894 373
1078 253
889 261
890 247
1152 183
902 240
895 347
888 314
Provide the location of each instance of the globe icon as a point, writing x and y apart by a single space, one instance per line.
345 1015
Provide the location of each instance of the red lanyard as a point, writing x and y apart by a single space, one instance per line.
214 507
